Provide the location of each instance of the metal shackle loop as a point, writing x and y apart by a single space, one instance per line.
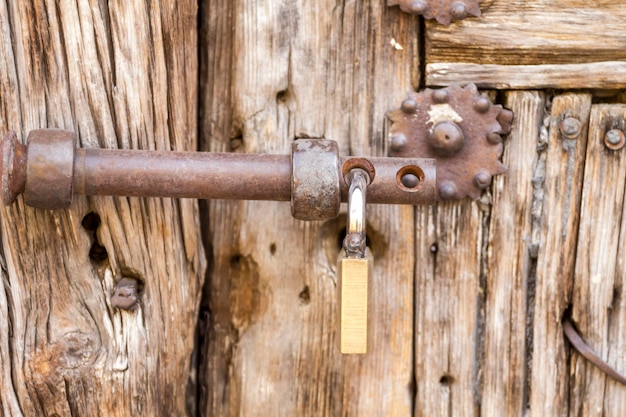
355 241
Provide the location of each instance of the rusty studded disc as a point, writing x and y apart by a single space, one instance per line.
444 11
459 128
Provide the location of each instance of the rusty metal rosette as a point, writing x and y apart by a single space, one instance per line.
444 11
459 128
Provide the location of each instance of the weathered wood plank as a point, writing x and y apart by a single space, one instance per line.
448 294
557 198
531 44
523 32
305 69
509 263
597 300
119 74
600 75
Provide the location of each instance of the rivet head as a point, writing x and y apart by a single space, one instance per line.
482 105
126 294
398 142
410 180
446 138
614 139
458 11
418 6
440 96
494 138
570 128
447 191
482 180
409 106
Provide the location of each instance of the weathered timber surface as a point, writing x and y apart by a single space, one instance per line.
532 32
120 74
598 296
538 39
509 263
558 179
448 304
598 75
273 72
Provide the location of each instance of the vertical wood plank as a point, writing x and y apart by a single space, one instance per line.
509 262
597 301
120 74
560 171
448 293
304 69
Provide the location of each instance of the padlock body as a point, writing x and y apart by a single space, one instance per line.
353 282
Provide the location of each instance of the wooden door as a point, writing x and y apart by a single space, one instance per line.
236 311
119 74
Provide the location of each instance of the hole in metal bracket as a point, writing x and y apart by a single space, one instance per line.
410 178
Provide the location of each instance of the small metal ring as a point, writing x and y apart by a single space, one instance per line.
362 163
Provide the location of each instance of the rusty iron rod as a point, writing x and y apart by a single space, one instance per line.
50 170
203 175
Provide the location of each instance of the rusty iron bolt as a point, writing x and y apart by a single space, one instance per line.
482 180
458 11
126 294
418 6
570 128
410 180
446 139
409 106
50 170
448 191
614 139
398 142
440 96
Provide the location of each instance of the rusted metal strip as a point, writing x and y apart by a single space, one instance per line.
585 350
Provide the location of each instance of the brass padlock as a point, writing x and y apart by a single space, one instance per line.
354 269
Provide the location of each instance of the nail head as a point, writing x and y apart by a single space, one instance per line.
409 106
410 180
440 96
614 139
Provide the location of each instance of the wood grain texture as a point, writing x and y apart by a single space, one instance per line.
277 71
531 44
509 264
120 74
600 75
448 308
597 301
557 180
535 32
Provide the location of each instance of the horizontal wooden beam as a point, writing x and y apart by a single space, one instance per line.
522 32
600 75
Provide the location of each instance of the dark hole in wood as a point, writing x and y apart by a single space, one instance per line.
434 248
273 248
235 260
281 96
91 221
305 295
446 380
97 253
